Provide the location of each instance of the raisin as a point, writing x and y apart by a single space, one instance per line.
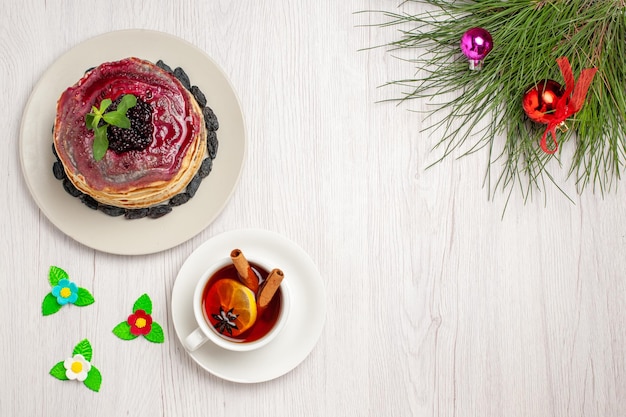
71 190
111 210
132 214
164 66
193 185
181 75
212 144
58 171
158 211
179 199
198 95
89 201
210 119
205 168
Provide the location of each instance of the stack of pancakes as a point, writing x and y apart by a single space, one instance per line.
135 178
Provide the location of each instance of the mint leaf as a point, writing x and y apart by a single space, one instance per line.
96 121
117 119
100 143
126 103
143 303
83 348
56 274
89 118
94 379
84 298
58 371
50 305
104 104
122 331
156 333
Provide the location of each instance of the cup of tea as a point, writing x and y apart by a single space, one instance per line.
234 313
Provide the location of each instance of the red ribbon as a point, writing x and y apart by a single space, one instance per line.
566 105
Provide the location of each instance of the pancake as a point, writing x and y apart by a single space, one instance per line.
137 178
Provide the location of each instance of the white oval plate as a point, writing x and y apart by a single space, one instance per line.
306 319
116 234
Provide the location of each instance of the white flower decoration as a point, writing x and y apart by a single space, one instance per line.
77 367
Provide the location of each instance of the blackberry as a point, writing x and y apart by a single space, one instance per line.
139 135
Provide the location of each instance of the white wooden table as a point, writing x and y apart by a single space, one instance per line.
436 304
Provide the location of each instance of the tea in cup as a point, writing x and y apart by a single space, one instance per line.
239 305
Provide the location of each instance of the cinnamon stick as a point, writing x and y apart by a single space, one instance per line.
269 287
246 274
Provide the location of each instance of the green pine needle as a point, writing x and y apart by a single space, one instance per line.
528 38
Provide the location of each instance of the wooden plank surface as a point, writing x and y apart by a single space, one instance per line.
437 304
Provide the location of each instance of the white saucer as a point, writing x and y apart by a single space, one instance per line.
306 319
116 234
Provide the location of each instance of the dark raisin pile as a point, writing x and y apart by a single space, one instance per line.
139 135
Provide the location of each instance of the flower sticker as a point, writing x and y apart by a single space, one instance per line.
140 323
78 367
64 291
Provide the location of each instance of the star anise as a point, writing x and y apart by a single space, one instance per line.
225 321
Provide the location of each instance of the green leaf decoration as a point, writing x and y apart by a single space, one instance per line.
84 298
50 305
143 303
56 274
122 331
89 119
104 104
83 348
94 379
100 143
117 119
58 371
156 334
126 103
95 120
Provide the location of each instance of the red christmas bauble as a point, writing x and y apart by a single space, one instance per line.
539 101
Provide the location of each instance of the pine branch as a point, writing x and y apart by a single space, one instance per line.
528 36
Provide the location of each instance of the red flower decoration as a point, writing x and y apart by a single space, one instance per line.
569 103
140 323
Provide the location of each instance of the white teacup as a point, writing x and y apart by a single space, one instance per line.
205 330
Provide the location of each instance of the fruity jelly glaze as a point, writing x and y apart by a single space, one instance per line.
175 125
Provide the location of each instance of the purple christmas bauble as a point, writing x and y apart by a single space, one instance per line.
476 43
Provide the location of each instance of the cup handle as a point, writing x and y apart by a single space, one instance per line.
195 340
